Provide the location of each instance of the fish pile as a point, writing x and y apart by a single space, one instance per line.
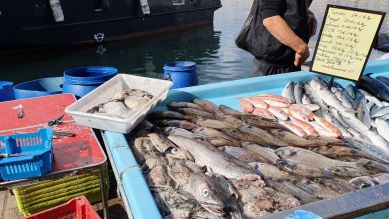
360 117
201 160
122 104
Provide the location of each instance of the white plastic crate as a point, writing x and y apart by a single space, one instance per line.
158 88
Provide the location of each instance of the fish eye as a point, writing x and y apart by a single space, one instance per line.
205 192
174 150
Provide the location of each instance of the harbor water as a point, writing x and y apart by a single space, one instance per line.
211 47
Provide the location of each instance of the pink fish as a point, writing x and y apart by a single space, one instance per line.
264 113
276 103
277 112
275 98
293 128
298 114
322 131
311 107
246 106
301 108
306 126
327 125
257 102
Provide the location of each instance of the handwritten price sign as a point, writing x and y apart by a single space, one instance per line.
345 42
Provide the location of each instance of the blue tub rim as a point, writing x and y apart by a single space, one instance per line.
100 77
5 84
183 66
20 87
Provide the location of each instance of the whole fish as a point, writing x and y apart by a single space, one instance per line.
382 128
177 131
264 113
243 154
165 146
289 188
306 126
381 153
233 133
327 96
350 90
294 128
370 98
192 112
376 87
213 133
260 136
207 105
327 125
298 92
339 151
295 140
288 91
270 171
302 169
177 123
305 99
246 106
278 113
212 123
214 159
377 139
322 131
265 153
316 189
343 99
175 105
381 112
263 124
353 122
256 102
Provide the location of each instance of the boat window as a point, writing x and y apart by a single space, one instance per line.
178 2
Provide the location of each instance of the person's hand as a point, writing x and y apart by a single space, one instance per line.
312 23
300 57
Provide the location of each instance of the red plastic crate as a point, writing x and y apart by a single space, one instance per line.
76 208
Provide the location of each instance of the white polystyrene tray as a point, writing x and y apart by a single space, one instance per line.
158 88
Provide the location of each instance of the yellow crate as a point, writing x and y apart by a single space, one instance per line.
42 196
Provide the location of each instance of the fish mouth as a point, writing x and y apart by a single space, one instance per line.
215 209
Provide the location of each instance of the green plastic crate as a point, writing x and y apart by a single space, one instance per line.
42 196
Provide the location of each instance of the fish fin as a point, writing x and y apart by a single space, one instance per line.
368 74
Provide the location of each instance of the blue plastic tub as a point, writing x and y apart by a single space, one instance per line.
26 155
38 88
181 73
80 81
6 91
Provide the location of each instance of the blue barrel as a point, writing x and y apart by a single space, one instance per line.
6 91
38 88
80 81
181 73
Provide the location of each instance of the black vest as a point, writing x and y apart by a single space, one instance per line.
264 46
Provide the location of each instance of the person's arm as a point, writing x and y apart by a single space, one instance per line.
278 27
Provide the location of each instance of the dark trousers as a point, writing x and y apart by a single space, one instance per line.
262 68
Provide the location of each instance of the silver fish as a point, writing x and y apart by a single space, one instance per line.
350 90
382 128
288 91
214 159
178 131
353 122
327 96
343 99
381 153
243 154
335 113
377 139
367 119
381 112
330 118
298 92
305 99
371 98
356 134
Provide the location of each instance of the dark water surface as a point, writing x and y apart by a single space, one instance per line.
211 47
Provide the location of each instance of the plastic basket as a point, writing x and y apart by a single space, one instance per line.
26 155
77 208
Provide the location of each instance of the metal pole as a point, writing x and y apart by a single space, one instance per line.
104 195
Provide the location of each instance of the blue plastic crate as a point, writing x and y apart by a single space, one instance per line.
26 155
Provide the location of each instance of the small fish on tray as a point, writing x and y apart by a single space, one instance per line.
123 103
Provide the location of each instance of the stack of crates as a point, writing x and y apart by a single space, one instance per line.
39 197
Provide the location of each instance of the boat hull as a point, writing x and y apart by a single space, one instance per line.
104 26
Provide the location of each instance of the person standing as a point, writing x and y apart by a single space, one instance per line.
279 38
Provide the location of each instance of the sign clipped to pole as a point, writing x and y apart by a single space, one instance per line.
345 42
